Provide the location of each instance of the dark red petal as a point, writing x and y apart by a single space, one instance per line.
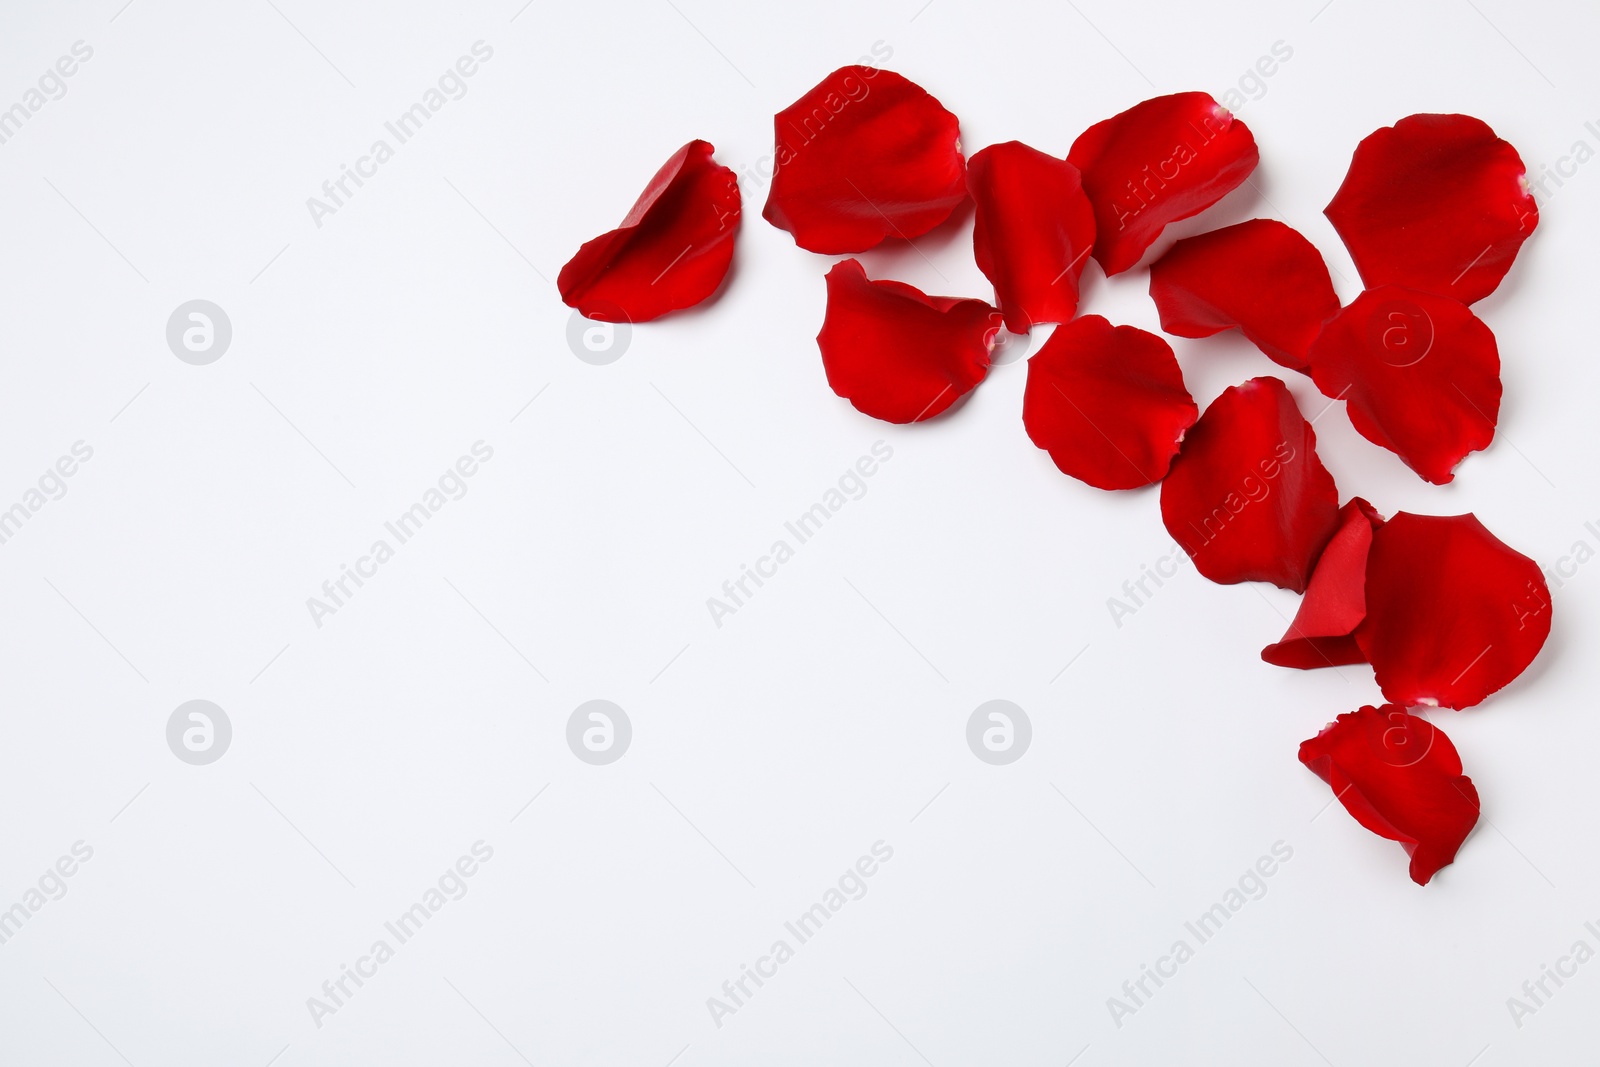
1107 402
1421 373
1400 776
1158 162
1260 276
1453 614
1247 497
1032 231
863 156
671 252
1336 599
1435 202
897 354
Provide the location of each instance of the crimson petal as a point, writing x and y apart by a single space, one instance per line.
865 155
898 354
671 252
1335 601
1248 498
1400 777
1435 202
1260 276
1107 402
1421 373
1157 162
1032 231
1453 613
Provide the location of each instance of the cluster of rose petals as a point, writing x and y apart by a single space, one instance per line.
1433 211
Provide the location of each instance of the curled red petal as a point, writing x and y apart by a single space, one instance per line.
1260 276
671 252
1107 402
865 155
1400 776
1155 163
1453 613
1421 373
1335 601
1032 232
1248 498
1435 202
898 354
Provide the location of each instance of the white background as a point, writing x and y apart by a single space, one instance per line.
827 714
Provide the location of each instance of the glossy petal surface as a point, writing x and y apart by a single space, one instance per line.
1321 634
1421 374
898 354
863 156
1107 402
671 252
1032 232
1435 202
1159 161
1400 777
1247 497
1260 276
1453 613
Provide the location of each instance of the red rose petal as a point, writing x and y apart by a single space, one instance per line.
1247 497
1032 231
1401 778
1335 601
1421 373
1158 162
1453 614
1260 276
863 156
897 354
1435 202
671 252
1107 402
